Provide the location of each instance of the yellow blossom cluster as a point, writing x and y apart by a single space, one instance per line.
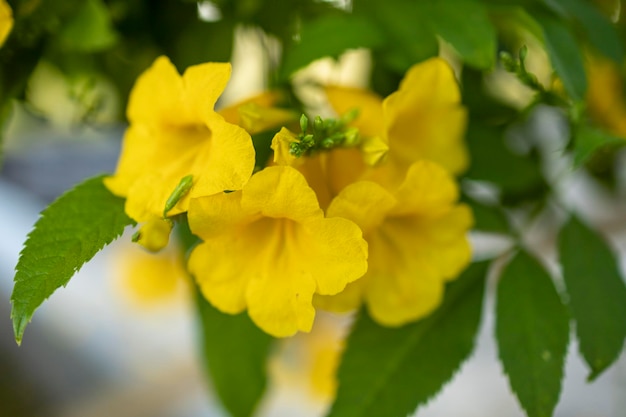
374 219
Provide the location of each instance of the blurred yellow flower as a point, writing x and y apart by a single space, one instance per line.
605 95
259 113
417 239
424 119
175 133
268 248
6 21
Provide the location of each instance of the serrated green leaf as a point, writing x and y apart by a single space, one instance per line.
588 140
235 354
597 294
413 362
330 36
90 30
466 26
532 330
69 233
598 28
565 55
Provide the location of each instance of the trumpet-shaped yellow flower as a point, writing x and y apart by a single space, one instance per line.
424 119
6 21
605 95
417 239
175 133
268 248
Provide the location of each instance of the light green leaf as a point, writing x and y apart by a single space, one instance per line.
68 234
90 30
565 55
597 294
532 330
235 354
388 372
330 36
588 140
466 26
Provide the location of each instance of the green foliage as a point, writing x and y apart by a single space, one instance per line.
388 372
235 353
319 38
597 294
565 55
588 140
488 218
90 30
532 329
68 234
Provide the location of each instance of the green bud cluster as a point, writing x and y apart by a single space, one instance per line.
518 67
325 134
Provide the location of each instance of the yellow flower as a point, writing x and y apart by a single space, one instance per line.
417 239
605 95
424 119
174 133
259 114
268 248
6 21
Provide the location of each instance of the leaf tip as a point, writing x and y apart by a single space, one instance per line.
19 325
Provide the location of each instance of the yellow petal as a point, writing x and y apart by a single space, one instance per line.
365 203
6 21
256 119
347 300
425 119
265 99
370 107
281 145
374 150
202 86
217 214
281 192
427 190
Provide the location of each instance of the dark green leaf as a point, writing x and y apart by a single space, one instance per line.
565 55
407 34
330 36
598 28
235 353
388 372
532 329
588 140
488 218
597 294
466 26
90 29
68 234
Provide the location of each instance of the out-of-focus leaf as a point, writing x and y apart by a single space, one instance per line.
598 28
407 33
235 353
488 219
205 41
68 234
466 26
588 140
597 294
90 30
330 36
565 55
532 330
388 372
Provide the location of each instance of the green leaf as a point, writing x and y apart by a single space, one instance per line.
588 140
330 36
466 26
597 294
408 38
488 218
532 330
565 56
598 28
235 353
388 372
69 233
90 30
